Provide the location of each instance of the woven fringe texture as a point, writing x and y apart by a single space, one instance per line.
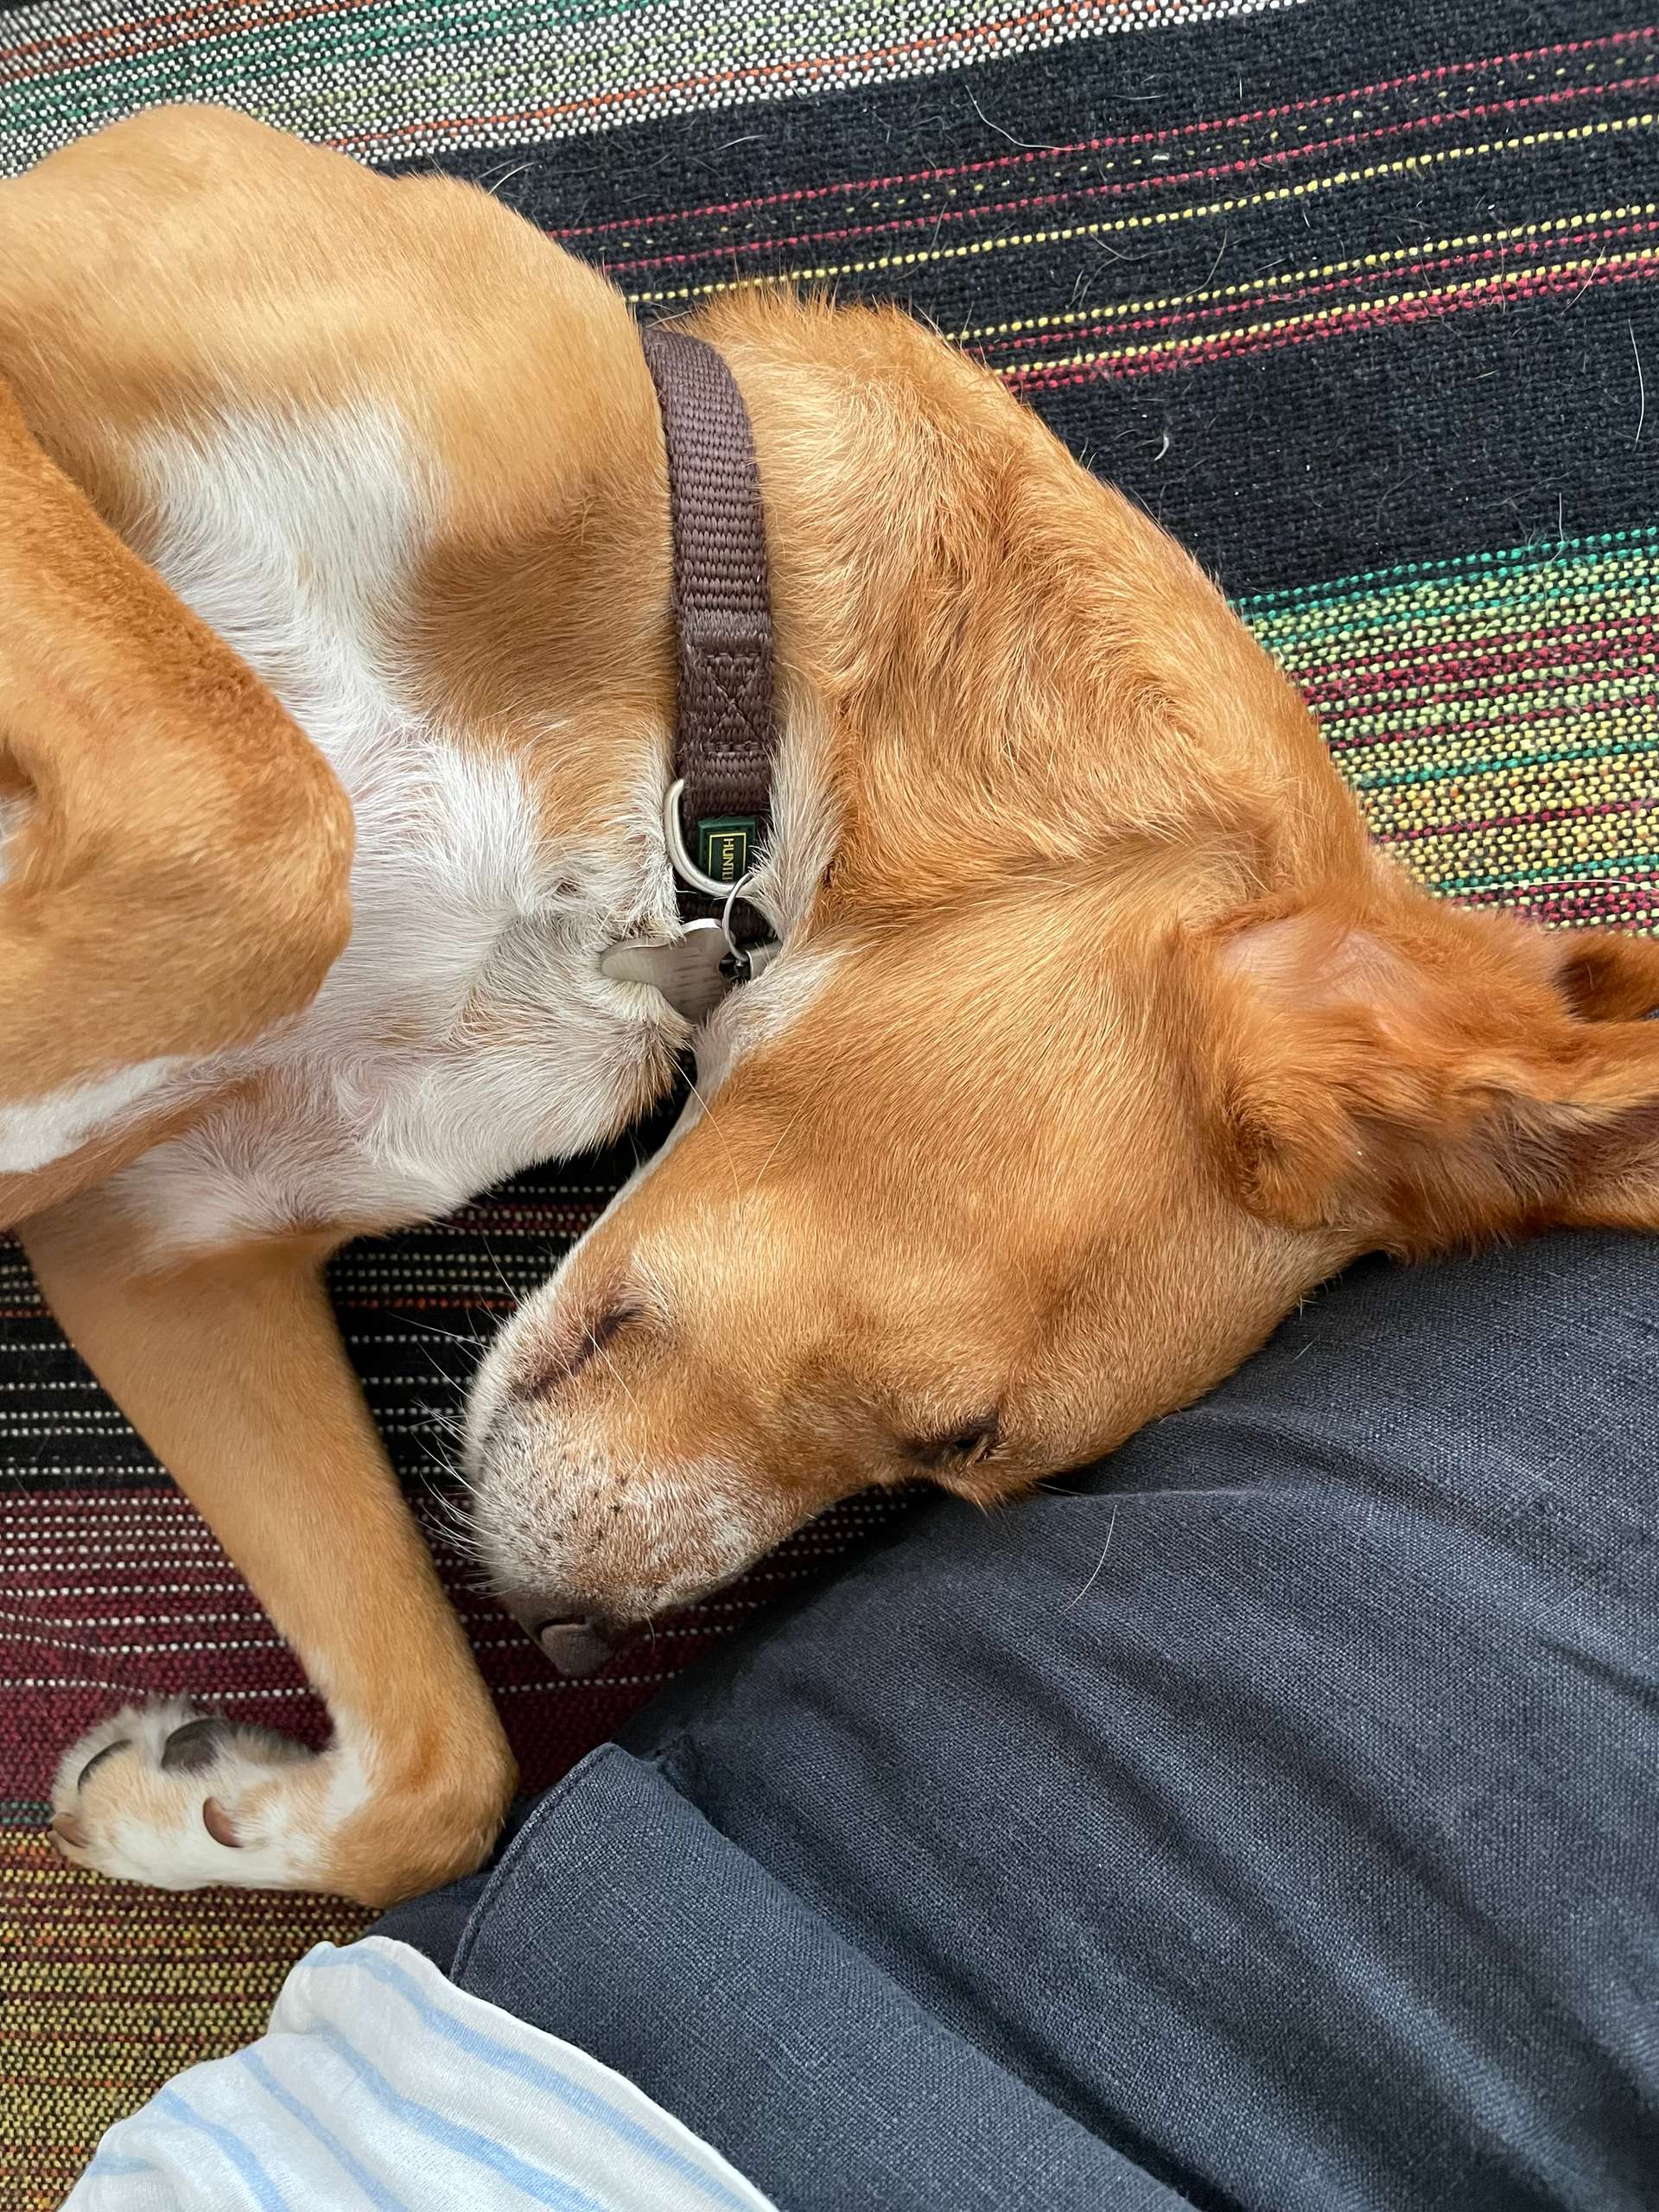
1359 299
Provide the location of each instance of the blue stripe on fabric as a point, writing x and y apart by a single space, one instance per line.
537 2074
116 2166
377 2192
231 2148
529 2181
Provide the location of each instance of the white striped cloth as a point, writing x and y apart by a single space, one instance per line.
379 2083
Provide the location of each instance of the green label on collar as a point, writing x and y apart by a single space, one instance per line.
723 847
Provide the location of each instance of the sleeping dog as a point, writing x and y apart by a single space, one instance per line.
341 641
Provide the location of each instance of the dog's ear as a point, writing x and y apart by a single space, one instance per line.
1415 1078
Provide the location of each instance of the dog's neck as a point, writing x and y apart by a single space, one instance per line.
991 669
996 667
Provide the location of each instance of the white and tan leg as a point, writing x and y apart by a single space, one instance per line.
233 1372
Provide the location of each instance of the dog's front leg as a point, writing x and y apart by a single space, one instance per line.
233 1372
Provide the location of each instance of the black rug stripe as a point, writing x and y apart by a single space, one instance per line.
1495 426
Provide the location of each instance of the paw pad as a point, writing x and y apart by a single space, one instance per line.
194 1748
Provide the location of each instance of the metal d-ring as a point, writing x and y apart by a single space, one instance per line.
683 865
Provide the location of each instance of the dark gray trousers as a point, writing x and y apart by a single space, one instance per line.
1267 1819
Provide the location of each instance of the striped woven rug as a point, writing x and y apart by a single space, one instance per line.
1359 299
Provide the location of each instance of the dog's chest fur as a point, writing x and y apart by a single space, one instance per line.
465 1030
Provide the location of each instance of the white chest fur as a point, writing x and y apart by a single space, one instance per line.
466 1030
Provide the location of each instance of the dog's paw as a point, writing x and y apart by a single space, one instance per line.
179 1799
183 1800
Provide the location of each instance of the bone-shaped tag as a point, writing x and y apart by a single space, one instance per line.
693 972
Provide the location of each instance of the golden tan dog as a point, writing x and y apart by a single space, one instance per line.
1098 1036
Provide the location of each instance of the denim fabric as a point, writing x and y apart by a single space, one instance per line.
1280 1801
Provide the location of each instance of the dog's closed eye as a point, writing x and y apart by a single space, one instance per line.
959 1447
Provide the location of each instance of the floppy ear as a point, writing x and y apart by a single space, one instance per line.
1422 1077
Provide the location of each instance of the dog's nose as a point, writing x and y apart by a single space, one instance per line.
575 1643
574 1647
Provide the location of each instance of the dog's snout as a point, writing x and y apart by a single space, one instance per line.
557 1364
591 1512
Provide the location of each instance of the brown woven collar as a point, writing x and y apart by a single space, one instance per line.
725 733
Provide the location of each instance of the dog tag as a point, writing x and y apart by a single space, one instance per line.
693 972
